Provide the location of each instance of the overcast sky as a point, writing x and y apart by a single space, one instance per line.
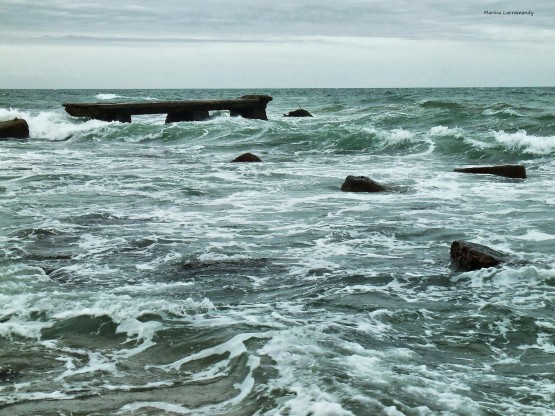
279 43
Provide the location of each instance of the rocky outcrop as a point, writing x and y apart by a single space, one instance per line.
508 171
16 129
473 256
361 184
247 157
301 112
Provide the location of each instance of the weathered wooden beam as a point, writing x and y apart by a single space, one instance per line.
249 106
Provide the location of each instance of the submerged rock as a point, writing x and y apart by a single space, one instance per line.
16 129
226 265
361 184
508 171
7 374
473 256
301 112
247 157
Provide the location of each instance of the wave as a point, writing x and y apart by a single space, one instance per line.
445 131
523 142
392 138
489 144
349 138
447 105
546 117
502 112
55 315
51 125
107 96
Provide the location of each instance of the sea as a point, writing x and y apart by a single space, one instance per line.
142 273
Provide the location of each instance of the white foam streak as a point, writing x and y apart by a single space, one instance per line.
445 131
34 396
291 353
522 141
508 111
536 235
139 330
391 137
235 347
166 407
97 363
19 327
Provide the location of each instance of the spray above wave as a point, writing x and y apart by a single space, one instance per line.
522 142
51 125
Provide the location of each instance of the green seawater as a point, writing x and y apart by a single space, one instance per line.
142 273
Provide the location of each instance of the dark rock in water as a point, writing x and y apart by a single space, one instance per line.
228 265
472 256
508 171
247 157
7 374
16 129
301 112
361 184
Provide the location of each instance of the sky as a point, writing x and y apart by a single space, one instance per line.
276 44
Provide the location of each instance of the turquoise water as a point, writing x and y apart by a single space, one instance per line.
141 273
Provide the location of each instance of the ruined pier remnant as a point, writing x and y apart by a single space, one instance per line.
509 171
248 106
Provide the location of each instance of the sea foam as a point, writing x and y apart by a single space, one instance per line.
107 96
522 141
51 125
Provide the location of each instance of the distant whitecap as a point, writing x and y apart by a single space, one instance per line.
107 96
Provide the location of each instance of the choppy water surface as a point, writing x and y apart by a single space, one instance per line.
141 273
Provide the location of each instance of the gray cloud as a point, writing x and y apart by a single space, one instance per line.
293 43
255 19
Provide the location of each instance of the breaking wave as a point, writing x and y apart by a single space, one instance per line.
107 96
52 125
522 142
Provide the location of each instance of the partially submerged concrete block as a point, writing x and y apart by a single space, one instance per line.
508 171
